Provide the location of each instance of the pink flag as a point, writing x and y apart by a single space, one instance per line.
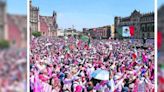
47 87
37 84
78 89
43 78
144 58
50 71
135 86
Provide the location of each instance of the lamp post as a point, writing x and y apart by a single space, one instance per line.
72 30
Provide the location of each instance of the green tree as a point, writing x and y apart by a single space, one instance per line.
36 34
4 44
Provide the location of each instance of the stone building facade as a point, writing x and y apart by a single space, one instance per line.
161 25
34 18
98 33
143 24
13 27
3 15
47 25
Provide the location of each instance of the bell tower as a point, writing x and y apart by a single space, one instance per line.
3 15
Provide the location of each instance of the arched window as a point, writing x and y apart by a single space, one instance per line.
143 35
148 34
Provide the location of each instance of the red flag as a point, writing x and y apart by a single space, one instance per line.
159 39
79 43
134 55
131 30
86 46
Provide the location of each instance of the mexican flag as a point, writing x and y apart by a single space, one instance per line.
126 31
84 38
134 55
67 48
162 70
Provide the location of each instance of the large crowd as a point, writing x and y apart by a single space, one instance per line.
13 74
160 71
76 65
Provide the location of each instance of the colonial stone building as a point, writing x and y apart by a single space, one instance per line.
143 24
3 15
99 33
161 24
47 25
70 32
17 29
13 27
34 18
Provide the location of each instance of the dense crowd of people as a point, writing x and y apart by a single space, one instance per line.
13 70
76 65
160 71
160 62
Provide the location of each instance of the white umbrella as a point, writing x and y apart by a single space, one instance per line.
100 74
48 44
20 61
